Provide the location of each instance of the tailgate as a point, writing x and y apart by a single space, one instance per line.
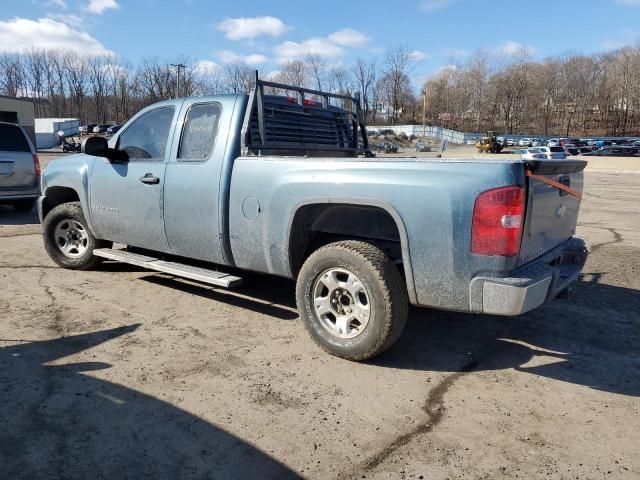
552 214
16 170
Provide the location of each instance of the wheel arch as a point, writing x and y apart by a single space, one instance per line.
313 213
56 195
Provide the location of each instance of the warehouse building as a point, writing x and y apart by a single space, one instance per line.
20 111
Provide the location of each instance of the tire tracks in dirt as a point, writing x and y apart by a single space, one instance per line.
54 308
434 408
617 238
13 235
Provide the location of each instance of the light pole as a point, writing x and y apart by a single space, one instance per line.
178 67
424 112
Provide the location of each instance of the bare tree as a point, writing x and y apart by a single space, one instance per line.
293 72
239 77
34 65
316 67
12 74
364 73
398 63
76 70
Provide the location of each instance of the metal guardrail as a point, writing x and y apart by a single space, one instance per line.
454 136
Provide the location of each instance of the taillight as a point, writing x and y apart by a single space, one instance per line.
498 217
306 101
36 164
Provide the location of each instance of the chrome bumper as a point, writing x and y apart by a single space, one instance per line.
532 285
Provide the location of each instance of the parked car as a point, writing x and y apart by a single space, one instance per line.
584 150
88 128
423 147
386 147
532 154
473 235
536 142
511 142
553 142
101 128
602 143
616 151
553 153
524 142
19 168
113 129
577 142
571 149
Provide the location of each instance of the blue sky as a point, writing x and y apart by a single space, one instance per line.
267 32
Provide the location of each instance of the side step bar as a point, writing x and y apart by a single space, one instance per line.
204 275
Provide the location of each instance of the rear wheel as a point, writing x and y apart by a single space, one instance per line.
68 240
352 299
24 205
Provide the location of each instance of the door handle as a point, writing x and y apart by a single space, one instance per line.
149 179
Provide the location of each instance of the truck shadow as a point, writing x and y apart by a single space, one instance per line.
259 293
59 421
591 340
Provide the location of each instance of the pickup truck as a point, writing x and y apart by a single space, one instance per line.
286 185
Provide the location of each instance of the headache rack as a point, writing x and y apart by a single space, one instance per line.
301 125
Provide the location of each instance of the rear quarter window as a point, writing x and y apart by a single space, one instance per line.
13 140
199 132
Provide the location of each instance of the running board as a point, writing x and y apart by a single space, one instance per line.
204 275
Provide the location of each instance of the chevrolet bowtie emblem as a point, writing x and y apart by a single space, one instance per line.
561 210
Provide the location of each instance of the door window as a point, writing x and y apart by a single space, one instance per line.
199 132
146 138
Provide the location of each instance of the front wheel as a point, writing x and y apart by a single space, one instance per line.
352 299
68 240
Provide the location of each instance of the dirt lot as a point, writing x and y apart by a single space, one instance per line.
123 373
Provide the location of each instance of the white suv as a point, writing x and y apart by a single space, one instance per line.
554 153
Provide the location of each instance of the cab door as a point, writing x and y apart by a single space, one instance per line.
193 181
126 198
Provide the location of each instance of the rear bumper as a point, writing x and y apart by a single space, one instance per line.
532 285
8 196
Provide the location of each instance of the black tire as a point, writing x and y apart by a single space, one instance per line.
24 205
385 288
73 212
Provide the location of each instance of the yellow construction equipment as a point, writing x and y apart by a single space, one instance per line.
489 143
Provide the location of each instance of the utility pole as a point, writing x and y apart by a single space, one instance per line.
178 66
424 112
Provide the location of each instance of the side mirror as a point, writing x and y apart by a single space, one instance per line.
96 146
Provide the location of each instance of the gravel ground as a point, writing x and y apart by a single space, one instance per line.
124 373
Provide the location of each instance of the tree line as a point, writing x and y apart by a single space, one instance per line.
107 88
587 95
567 95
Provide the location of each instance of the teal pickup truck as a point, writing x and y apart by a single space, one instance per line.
286 185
